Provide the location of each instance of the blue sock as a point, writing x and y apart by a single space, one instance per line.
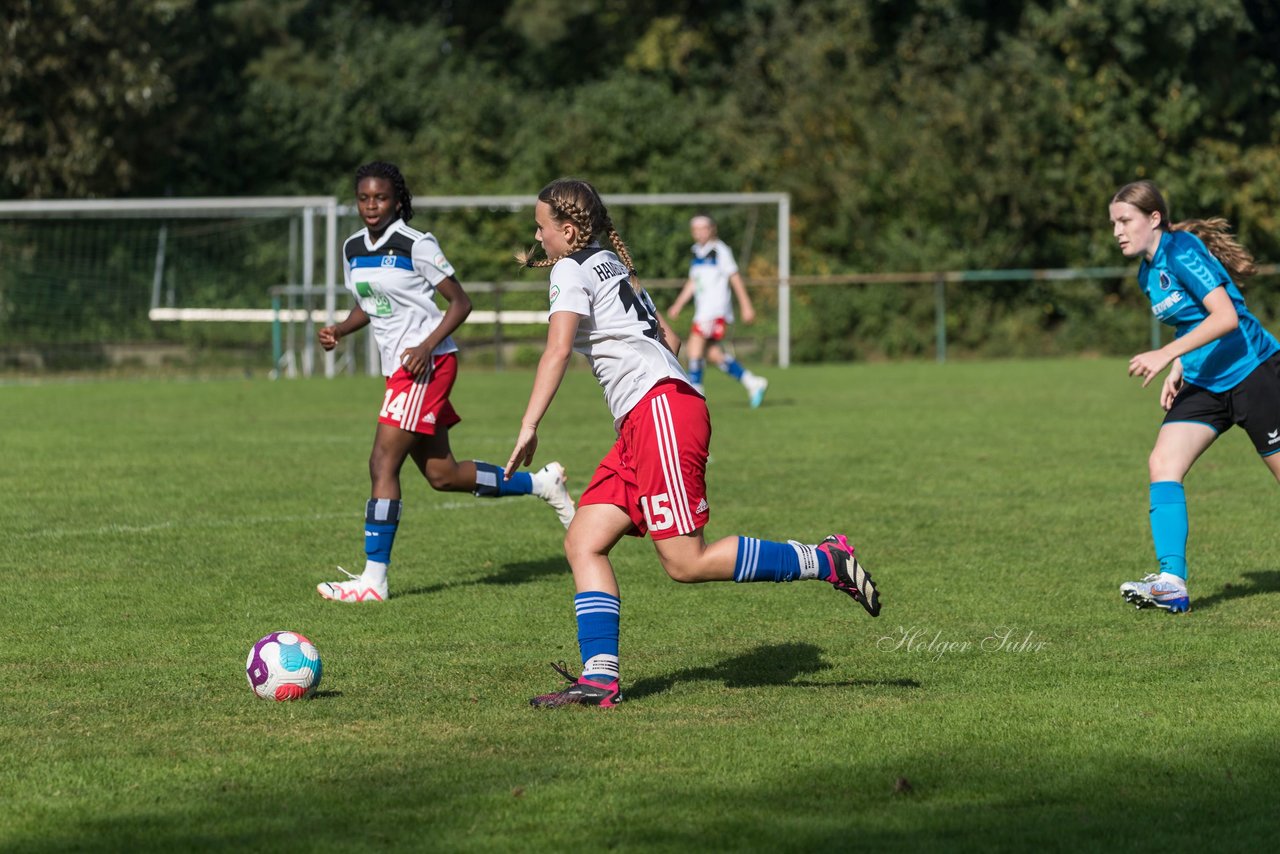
731 367
598 617
381 518
490 484
764 560
1169 526
695 371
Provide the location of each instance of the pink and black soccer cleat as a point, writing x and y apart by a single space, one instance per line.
580 692
849 576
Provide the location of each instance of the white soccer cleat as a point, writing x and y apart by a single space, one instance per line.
1160 590
356 589
548 484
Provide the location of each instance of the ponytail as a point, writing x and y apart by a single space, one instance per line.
1216 235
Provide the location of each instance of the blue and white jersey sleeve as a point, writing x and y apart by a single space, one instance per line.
1196 268
429 261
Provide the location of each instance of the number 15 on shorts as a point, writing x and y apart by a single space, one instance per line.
658 514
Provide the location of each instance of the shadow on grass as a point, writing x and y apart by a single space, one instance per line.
513 573
326 695
771 664
1255 583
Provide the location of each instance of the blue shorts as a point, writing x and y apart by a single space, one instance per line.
1254 404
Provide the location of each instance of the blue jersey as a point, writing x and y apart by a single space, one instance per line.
1176 281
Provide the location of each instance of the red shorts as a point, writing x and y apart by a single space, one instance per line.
712 330
421 407
657 470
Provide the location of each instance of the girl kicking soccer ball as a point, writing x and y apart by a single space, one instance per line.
1225 366
653 480
394 272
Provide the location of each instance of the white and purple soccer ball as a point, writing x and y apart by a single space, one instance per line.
283 666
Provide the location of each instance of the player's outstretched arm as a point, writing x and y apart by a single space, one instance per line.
561 330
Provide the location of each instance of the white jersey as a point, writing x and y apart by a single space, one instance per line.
395 280
711 269
618 330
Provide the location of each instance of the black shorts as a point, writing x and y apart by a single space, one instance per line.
1254 404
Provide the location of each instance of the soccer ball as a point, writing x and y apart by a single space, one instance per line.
283 666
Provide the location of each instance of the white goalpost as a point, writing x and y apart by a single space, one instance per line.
254 260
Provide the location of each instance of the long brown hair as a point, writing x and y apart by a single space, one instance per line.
1215 231
576 201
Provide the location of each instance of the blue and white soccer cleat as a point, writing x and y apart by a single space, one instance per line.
756 387
1158 590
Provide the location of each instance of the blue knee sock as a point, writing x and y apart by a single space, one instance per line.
764 560
381 518
731 367
598 618
1169 526
695 371
490 484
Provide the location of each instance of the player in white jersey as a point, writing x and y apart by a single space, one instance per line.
711 275
654 478
394 273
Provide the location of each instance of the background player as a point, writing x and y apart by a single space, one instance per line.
711 274
1226 366
653 479
395 272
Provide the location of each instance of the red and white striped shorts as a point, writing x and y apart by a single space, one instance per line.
422 407
657 470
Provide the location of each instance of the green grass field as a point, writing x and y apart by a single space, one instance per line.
150 532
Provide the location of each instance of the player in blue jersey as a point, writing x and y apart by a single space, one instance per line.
394 273
712 273
1224 366
653 480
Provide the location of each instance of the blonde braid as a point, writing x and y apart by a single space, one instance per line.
1215 233
623 253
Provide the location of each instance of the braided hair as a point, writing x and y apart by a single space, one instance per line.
1215 232
389 172
576 201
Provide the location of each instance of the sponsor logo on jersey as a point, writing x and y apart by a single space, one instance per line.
1273 437
702 505
1165 281
442 264
429 418
555 293
1167 303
